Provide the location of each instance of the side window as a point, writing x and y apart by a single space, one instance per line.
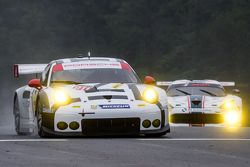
45 75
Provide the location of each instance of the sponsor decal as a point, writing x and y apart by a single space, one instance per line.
91 65
114 106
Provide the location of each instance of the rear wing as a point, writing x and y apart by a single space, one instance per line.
168 83
164 83
24 69
227 83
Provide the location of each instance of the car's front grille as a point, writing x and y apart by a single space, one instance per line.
111 126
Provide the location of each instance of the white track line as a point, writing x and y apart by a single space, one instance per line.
194 139
33 140
140 139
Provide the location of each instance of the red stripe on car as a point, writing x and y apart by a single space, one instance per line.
203 106
200 84
188 99
57 67
203 102
126 66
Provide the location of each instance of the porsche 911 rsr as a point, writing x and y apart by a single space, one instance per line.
201 102
89 96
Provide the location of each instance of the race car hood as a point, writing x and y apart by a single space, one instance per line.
110 91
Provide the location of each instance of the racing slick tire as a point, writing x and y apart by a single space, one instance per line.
39 115
16 112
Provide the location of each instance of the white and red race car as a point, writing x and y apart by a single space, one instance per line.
202 102
89 96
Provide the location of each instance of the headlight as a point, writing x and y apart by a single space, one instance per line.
150 95
61 98
229 105
232 117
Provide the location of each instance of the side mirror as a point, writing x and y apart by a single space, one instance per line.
35 83
149 80
236 91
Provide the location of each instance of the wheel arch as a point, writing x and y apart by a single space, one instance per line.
43 98
14 101
18 97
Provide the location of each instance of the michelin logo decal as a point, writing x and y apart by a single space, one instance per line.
114 106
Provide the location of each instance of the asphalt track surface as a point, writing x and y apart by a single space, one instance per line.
184 146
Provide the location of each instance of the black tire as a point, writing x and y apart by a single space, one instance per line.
16 112
39 115
17 124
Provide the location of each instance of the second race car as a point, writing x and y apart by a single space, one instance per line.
201 102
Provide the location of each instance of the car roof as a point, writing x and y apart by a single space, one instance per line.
205 81
79 59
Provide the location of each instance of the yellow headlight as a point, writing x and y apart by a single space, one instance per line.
232 117
229 105
150 95
61 98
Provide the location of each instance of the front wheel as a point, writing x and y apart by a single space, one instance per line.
17 124
40 130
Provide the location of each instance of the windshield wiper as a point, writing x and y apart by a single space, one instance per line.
67 82
186 93
210 93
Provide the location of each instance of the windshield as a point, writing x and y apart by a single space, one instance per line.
100 75
190 90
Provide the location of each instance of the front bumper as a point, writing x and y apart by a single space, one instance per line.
202 116
106 122
80 134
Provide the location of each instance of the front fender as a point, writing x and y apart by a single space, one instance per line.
44 100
